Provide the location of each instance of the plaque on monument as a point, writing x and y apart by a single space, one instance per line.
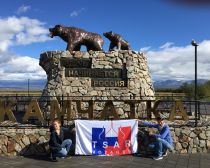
100 77
76 62
108 83
93 73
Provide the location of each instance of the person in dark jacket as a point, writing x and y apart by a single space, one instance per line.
163 141
59 146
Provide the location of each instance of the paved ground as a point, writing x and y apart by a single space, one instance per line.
171 161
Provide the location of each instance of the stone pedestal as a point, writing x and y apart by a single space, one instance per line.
115 75
33 141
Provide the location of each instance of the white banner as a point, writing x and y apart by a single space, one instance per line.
118 137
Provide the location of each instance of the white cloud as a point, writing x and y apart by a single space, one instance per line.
177 63
166 45
14 67
145 49
76 12
19 31
4 45
23 9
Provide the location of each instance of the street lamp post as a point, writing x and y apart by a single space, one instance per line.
28 87
195 93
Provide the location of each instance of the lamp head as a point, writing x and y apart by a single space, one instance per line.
193 42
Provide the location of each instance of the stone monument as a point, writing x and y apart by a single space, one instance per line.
115 75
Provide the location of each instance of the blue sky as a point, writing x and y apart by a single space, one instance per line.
160 28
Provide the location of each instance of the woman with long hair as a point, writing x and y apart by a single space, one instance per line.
59 147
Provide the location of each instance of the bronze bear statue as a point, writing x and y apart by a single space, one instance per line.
76 37
116 41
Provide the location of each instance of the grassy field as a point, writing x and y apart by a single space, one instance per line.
39 92
20 93
169 94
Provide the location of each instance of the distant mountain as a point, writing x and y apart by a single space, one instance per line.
173 84
40 84
22 84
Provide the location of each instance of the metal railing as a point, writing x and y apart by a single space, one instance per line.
141 107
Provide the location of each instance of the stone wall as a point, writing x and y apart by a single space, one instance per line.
186 139
139 83
24 141
34 141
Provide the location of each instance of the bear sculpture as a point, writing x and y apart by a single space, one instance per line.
116 41
76 37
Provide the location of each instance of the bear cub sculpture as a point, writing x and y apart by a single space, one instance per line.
76 37
116 41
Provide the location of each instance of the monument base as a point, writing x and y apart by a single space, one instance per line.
34 141
115 75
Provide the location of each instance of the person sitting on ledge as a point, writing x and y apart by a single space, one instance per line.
163 140
59 147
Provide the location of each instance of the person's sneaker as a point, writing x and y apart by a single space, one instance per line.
158 158
54 159
165 154
171 150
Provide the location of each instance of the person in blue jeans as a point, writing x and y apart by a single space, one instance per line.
59 146
163 139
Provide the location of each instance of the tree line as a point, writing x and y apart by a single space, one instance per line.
203 90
